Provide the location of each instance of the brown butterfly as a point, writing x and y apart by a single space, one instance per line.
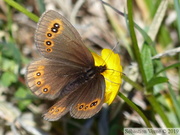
66 72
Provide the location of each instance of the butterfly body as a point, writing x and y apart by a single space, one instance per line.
84 77
66 72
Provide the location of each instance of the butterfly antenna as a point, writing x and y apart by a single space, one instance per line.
112 81
115 46
121 73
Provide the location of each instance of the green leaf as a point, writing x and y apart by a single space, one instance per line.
8 78
23 104
147 62
156 80
9 65
22 95
157 20
10 50
177 8
168 67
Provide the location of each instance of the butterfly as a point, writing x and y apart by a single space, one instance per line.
67 70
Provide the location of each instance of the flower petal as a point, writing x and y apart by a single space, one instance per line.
113 73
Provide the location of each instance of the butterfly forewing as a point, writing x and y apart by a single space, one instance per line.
57 39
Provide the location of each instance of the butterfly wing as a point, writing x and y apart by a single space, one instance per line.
57 39
64 52
59 109
83 103
46 78
90 99
65 57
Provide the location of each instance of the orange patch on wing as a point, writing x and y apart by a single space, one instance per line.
94 103
81 106
39 73
89 106
39 82
40 67
48 43
46 89
50 34
48 50
55 110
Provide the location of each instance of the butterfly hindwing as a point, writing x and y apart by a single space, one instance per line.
83 103
59 109
90 99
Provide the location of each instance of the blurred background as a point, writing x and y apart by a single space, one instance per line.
100 27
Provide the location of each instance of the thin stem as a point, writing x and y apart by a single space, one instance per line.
132 105
22 9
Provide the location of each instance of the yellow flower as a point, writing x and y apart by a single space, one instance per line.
113 73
